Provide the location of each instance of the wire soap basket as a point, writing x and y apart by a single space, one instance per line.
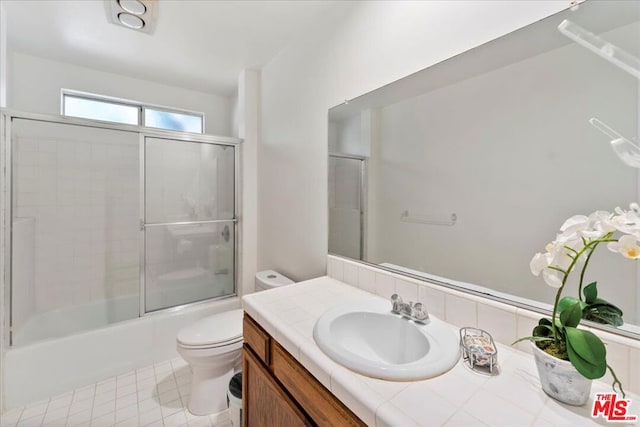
479 352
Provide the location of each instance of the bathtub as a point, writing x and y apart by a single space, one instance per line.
49 367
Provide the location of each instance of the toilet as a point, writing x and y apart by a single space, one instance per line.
212 348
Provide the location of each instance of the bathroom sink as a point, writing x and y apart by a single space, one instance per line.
367 338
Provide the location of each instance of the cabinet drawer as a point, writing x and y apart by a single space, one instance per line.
317 401
256 338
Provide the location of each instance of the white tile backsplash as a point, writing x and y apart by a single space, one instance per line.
335 269
408 290
634 371
351 274
433 299
385 284
460 311
501 324
525 322
366 279
618 358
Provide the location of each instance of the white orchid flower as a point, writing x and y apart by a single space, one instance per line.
627 246
574 225
556 255
627 222
553 278
599 225
560 257
539 263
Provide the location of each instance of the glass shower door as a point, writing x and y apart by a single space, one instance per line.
189 222
75 199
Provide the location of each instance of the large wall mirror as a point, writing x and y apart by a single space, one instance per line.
461 172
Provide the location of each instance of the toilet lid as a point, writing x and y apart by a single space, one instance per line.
218 329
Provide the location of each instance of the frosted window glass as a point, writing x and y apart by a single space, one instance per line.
172 121
100 110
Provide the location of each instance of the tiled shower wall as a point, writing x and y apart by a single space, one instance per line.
504 322
76 236
80 188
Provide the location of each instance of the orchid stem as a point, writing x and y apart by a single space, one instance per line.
590 246
616 382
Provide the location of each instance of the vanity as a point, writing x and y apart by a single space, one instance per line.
280 391
289 381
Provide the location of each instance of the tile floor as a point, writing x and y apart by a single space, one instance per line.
154 396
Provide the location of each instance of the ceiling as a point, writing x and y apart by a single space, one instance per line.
197 44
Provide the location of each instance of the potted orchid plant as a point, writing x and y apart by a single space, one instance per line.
567 357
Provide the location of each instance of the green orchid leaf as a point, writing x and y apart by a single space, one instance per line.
586 345
545 321
586 369
571 316
566 302
534 339
590 292
542 331
600 302
604 313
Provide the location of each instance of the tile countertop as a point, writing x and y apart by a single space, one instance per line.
459 397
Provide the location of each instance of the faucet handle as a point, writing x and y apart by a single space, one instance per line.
396 302
419 312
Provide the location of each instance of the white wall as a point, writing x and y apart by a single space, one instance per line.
373 44
247 127
32 90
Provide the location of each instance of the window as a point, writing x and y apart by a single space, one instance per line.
89 106
171 120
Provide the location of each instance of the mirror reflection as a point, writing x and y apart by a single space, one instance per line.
461 172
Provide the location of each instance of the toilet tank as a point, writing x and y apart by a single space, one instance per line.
270 279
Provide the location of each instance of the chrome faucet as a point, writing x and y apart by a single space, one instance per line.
416 312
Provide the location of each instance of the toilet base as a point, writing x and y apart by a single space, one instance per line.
209 390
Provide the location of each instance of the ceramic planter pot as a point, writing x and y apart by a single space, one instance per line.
560 380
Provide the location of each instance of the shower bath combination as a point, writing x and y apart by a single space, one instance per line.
101 233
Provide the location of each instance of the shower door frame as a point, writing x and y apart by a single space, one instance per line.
363 199
186 137
7 198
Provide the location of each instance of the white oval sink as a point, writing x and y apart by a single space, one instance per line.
367 338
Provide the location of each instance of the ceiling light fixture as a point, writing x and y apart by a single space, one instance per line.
131 21
133 6
137 15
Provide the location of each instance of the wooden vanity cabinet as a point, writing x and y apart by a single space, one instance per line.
278 391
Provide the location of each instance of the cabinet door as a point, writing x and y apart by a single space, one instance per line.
264 403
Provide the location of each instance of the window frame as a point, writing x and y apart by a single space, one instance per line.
141 106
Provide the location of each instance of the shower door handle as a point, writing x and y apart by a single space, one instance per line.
226 233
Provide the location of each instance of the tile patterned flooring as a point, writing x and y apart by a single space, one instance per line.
154 396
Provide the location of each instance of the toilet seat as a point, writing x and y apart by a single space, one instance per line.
211 345
218 330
